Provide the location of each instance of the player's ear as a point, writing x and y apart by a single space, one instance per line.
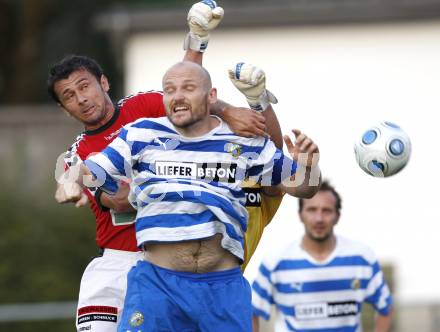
337 218
104 83
212 97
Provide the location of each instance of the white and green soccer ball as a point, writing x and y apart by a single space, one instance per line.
383 149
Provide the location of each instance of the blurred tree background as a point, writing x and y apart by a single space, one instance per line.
37 33
45 246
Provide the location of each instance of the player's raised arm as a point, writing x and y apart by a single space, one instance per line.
307 178
251 82
203 17
260 119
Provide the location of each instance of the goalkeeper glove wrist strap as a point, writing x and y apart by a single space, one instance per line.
195 42
262 102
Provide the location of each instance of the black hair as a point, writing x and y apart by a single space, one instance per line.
326 186
67 66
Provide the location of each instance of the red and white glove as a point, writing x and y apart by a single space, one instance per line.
203 17
251 81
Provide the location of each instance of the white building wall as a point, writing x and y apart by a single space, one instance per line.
332 82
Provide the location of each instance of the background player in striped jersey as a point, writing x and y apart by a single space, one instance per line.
319 283
191 219
78 85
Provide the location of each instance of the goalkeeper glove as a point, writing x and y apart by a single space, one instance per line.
251 81
203 17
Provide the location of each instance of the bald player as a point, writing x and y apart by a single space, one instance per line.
185 173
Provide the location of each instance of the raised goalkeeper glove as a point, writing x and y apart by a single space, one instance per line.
251 81
203 17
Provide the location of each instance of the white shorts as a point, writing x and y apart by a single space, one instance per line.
102 291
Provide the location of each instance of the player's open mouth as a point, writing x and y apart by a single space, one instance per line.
178 109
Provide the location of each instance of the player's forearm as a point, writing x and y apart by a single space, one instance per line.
218 107
304 183
383 323
272 191
255 324
242 121
193 56
116 203
273 127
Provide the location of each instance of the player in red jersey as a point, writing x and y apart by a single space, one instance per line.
114 230
78 85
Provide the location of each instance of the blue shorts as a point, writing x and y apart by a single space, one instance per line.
162 300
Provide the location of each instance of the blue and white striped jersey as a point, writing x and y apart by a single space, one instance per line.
312 296
188 188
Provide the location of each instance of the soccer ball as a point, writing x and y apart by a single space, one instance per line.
383 150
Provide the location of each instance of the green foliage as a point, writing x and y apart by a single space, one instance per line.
44 248
36 34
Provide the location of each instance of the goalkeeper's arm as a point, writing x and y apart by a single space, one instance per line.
203 17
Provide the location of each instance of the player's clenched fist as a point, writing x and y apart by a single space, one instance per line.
251 81
71 192
203 17
305 152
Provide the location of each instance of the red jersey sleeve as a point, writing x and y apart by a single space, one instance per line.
144 105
